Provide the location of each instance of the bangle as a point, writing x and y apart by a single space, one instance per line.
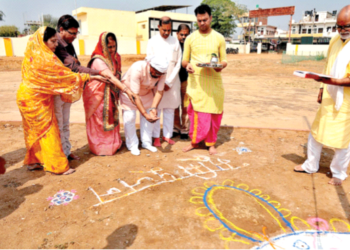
152 109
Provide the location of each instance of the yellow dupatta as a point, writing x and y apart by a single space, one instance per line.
43 75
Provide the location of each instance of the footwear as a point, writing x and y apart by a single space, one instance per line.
151 148
168 140
156 142
184 137
135 151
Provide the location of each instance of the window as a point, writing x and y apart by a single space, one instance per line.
304 31
309 31
334 29
329 29
316 18
320 30
314 30
154 22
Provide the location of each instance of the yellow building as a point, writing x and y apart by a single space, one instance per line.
147 20
133 29
94 21
140 25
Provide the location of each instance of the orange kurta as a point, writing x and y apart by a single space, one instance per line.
43 76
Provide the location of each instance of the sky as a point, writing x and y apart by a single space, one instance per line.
19 11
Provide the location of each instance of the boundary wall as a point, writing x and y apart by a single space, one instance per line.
307 49
15 46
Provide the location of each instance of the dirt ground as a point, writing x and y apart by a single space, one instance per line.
171 199
260 91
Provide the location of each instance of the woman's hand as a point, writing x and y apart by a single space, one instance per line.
99 78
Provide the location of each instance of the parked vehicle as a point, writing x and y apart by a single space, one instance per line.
232 51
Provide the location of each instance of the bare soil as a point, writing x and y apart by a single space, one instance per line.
168 212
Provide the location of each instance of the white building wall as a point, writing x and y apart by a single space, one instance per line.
307 49
2 47
19 45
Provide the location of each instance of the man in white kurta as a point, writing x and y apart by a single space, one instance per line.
331 126
166 45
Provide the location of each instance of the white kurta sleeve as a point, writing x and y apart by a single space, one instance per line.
150 49
170 79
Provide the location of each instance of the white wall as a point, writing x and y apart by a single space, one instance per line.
19 45
2 47
307 49
144 47
90 46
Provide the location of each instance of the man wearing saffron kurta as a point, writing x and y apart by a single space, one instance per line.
205 88
331 126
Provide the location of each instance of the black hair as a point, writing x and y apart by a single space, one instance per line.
110 34
202 9
183 27
164 20
67 22
49 32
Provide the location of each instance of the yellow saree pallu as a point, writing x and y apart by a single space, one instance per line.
43 76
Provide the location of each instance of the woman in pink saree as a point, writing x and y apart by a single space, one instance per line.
101 99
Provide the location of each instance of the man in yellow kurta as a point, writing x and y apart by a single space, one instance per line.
205 88
331 126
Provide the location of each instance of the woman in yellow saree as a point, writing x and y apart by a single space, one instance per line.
43 76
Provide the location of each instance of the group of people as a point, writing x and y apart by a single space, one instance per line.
167 81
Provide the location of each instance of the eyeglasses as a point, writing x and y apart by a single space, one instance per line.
343 27
73 34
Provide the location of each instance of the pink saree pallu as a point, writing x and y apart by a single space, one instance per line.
204 126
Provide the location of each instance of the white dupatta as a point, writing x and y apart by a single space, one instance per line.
338 71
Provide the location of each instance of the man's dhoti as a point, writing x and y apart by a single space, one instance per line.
204 126
339 163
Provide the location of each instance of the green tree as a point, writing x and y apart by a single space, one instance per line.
8 31
225 13
2 16
49 21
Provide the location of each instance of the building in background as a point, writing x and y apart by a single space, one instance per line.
316 27
140 25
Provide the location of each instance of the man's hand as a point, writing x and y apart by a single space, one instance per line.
132 96
151 118
189 68
107 74
99 78
319 98
166 87
153 113
224 65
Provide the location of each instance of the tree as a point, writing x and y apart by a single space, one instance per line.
2 14
225 13
49 21
8 31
